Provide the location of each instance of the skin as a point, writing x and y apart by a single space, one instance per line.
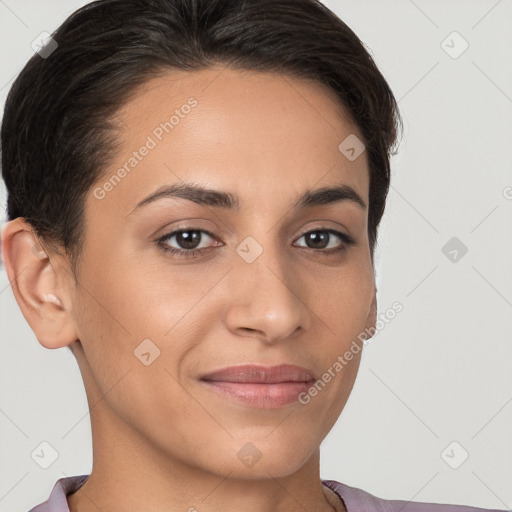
161 439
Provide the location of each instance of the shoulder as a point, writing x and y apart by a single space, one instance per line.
57 501
357 499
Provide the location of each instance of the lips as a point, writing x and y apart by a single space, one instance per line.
260 386
259 374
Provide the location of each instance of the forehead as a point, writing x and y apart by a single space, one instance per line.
233 89
254 133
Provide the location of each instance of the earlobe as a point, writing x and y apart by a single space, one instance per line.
35 285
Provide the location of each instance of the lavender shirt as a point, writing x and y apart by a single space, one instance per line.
356 500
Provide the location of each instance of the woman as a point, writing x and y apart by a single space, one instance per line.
194 192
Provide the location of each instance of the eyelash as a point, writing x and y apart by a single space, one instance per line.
193 253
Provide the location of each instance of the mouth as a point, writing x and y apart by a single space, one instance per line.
260 386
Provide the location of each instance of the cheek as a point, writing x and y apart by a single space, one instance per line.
110 311
106 342
342 300
134 308
344 305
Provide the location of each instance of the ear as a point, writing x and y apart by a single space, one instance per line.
38 285
371 320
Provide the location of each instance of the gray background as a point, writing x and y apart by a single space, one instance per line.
440 371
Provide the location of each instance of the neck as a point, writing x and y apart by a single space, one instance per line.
129 473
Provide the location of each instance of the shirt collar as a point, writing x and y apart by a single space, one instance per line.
354 499
57 501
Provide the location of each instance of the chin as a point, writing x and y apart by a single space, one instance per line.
261 458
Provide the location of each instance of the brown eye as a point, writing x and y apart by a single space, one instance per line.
188 242
327 240
188 239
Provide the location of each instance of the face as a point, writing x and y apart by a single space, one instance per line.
175 287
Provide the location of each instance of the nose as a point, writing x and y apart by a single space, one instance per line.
268 300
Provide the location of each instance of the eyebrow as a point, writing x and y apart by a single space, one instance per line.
216 198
